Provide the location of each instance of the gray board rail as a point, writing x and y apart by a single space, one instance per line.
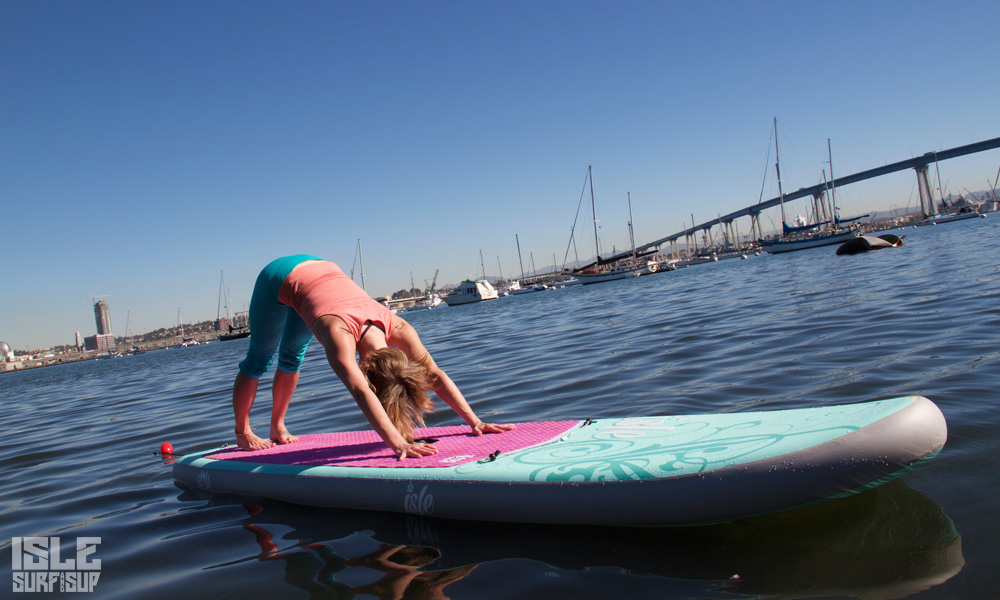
755 209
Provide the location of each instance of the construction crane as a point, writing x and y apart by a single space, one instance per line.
433 285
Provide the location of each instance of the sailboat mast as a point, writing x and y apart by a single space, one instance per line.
499 268
593 208
519 261
361 257
631 234
481 264
777 169
833 190
826 186
222 285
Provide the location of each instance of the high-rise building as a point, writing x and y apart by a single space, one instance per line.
79 341
102 314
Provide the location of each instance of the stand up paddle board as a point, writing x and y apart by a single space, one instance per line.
643 471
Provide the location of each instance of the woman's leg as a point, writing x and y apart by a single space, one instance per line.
282 390
244 392
267 321
294 341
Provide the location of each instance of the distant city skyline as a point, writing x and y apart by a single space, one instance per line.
147 146
78 339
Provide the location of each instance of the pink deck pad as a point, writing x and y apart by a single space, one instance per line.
455 446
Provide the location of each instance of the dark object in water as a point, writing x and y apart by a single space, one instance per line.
864 243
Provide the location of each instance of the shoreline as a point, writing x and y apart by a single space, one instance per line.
72 357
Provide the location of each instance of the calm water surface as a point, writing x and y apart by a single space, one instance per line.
78 456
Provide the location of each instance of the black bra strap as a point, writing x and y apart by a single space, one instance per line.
368 325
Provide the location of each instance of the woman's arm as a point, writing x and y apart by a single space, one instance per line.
405 337
340 349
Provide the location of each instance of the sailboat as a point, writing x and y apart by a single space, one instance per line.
516 288
805 236
941 218
233 327
185 342
931 216
611 268
429 300
132 348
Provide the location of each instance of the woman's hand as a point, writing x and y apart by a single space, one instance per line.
415 450
480 428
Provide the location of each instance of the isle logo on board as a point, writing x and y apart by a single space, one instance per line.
418 503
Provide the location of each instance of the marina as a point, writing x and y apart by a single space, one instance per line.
829 229
920 165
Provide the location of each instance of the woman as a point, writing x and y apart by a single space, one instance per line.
298 297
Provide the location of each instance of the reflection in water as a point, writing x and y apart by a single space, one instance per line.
400 565
886 543
402 578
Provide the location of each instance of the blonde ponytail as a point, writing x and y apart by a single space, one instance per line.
401 385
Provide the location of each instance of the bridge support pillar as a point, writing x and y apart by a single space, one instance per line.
755 231
820 207
926 192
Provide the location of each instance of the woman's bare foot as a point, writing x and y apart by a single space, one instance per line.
281 436
251 441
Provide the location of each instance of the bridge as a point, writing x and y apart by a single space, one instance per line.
919 164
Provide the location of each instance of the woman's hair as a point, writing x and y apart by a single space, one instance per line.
401 385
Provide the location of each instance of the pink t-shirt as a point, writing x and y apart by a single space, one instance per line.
321 288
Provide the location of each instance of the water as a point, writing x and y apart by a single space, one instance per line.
79 441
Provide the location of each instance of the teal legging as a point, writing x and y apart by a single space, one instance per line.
275 326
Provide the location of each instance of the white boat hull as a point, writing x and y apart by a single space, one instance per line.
467 300
614 273
609 275
779 246
471 291
526 290
941 219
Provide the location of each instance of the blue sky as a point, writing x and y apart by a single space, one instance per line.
147 146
